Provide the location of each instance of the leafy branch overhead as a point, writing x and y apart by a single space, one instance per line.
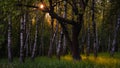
50 9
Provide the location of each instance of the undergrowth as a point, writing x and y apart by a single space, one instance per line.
102 61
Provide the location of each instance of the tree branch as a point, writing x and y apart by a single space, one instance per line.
52 14
61 19
30 6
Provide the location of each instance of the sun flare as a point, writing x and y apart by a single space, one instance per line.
41 6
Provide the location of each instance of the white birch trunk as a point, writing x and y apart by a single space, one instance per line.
9 39
26 34
88 39
26 43
60 45
35 40
21 40
64 38
115 36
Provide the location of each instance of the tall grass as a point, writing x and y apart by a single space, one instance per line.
103 61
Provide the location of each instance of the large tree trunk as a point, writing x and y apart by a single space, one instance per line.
72 42
10 59
75 43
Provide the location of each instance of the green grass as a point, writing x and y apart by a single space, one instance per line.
103 61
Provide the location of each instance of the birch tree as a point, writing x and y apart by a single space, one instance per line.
27 34
9 39
61 36
88 37
36 38
61 48
21 40
64 16
115 35
60 43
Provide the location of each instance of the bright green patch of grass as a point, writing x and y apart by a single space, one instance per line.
103 61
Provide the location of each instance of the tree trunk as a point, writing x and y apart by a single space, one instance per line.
30 38
94 29
57 34
109 43
50 51
21 40
35 40
26 35
115 36
64 38
75 43
41 47
26 42
88 40
42 39
10 59
59 40
83 39
97 40
72 42
22 23
60 43
41 51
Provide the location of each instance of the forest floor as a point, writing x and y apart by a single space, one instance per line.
102 61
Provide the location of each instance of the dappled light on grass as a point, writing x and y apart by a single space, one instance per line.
100 60
67 57
33 21
103 60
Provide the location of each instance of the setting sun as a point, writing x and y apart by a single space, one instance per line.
41 6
